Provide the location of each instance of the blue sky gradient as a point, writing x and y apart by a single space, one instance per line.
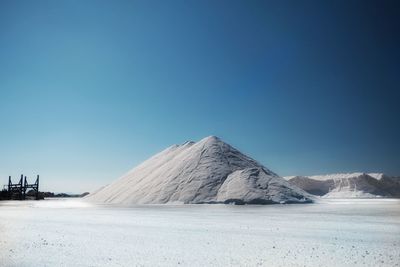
89 89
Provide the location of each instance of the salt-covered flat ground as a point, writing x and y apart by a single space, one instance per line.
75 233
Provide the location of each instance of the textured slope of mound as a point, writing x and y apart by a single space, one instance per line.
207 171
349 185
256 186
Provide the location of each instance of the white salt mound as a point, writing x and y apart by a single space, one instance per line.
208 171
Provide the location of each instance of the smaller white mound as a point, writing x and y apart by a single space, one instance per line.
255 186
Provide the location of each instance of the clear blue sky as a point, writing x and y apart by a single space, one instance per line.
89 89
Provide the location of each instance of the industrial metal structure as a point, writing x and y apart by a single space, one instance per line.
18 191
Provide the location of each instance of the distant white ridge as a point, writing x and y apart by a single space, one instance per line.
349 185
208 171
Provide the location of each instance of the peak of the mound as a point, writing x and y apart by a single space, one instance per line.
194 172
207 142
211 138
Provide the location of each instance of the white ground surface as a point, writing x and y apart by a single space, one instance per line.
75 233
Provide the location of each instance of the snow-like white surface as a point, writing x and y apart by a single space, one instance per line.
79 234
207 171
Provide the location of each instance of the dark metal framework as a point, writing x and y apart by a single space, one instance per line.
18 191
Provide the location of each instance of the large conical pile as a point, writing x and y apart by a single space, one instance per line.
208 171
